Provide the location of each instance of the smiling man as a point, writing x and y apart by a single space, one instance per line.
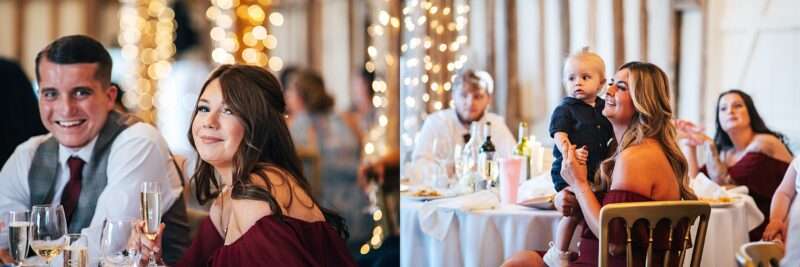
94 159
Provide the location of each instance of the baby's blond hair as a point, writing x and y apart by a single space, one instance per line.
586 55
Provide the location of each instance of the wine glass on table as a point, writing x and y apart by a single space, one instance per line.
151 213
118 244
48 233
19 224
443 155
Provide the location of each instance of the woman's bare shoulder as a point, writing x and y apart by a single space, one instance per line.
639 167
770 145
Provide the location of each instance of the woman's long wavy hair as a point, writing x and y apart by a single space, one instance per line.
255 97
649 89
721 138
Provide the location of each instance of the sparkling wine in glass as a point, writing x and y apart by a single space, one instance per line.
48 233
151 214
76 254
18 226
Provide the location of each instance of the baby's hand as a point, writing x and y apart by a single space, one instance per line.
582 154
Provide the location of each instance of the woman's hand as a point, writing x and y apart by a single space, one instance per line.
148 248
690 133
573 170
775 230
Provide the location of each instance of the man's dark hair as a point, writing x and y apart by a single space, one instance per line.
75 49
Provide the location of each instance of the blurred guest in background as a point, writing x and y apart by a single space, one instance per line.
743 152
317 127
286 75
20 100
472 93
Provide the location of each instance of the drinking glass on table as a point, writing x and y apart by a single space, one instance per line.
118 245
443 155
151 214
18 224
48 233
76 254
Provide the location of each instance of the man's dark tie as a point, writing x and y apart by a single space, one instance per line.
466 138
72 192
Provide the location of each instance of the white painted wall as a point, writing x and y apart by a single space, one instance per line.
336 51
754 47
292 36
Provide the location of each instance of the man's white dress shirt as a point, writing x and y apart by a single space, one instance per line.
137 155
445 127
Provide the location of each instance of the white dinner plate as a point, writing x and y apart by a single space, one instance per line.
540 202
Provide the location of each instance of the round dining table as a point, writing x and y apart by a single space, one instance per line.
488 237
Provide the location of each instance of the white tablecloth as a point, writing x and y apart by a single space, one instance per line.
486 238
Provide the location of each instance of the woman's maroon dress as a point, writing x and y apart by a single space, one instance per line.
761 174
270 242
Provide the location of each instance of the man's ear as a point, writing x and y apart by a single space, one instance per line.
111 92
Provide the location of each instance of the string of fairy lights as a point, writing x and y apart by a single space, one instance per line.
241 32
434 53
380 58
147 30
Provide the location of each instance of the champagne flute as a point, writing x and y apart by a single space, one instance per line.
151 214
76 254
48 233
18 225
118 243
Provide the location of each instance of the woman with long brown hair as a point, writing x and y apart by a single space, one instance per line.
647 164
263 213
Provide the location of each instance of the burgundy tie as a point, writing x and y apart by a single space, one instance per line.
72 192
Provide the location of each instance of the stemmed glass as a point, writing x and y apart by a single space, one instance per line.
443 155
48 233
118 244
151 214
18 226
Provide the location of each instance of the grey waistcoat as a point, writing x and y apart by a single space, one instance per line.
45 168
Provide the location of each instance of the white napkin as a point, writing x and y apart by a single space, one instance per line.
436 216
537 186
739 190
705 188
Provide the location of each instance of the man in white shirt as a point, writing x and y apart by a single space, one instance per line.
472 93
94 160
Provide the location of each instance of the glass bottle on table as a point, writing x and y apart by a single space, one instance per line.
470 170
19 224
523 149
487 159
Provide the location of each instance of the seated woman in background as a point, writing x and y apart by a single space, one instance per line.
743 152
647 165
262 213
318 126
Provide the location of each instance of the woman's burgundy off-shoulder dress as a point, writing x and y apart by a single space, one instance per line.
270 242
761 174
